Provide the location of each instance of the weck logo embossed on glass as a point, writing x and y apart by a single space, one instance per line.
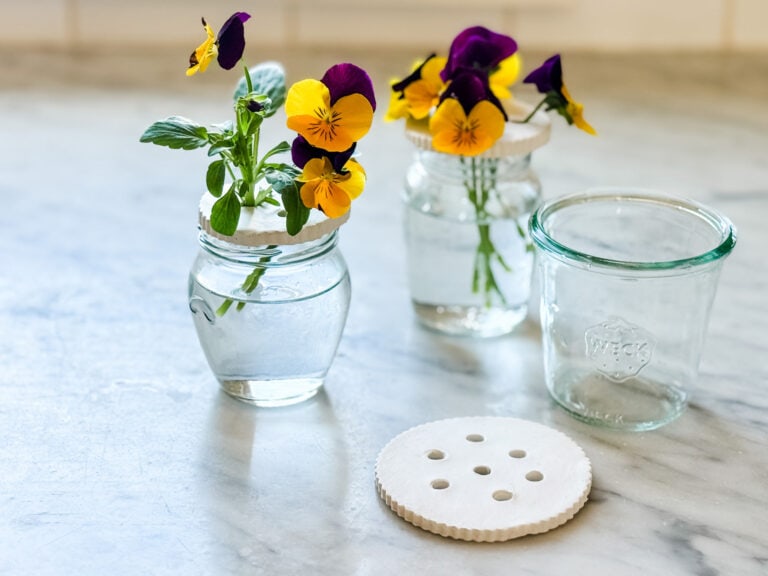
618 348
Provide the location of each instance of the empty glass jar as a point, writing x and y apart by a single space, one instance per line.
627 282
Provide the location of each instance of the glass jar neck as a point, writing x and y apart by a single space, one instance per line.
466 167
268 255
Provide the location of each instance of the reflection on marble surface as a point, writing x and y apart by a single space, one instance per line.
120 456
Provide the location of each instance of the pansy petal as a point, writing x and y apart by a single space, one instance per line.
489 121
203 54
304 98
398 107
354 184
576 111
468 88
354 118
430 72
416 74
332 200
345 79
421 97
504 76
302 151
231 40
478 47
548 77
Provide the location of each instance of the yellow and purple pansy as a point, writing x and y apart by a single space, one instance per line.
548 79
470 118
335 112
227 47
418 93
329 180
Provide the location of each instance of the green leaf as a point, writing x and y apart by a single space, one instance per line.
268 79
282 176
225 213
296 214
219 147
176 132
214 178
280 148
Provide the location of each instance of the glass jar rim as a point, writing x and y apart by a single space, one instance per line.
268 256
715 219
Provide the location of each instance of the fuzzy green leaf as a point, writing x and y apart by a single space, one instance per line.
267 78
282 176
296 214
225 213
214 177
176 132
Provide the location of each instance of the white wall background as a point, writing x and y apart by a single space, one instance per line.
601 25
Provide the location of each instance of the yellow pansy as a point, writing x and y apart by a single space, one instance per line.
329 191
203 54
455 132
419 93
331 127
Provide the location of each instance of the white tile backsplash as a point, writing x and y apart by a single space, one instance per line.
423 24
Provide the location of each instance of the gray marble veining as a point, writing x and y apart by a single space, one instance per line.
118 454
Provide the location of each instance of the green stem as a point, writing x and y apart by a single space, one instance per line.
483 276
539 105
249 284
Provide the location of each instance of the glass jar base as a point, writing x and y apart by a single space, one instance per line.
636 404
474 321
272 393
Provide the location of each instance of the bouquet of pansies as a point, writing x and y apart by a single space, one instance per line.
459 101
330 116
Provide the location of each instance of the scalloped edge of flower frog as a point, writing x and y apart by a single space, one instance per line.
264 226
518 138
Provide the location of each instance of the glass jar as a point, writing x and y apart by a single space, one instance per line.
627 281
269 317
469 254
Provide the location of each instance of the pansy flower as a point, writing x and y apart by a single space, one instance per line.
334 112
548 79
469 119
330 180
227 47
418 93
478 47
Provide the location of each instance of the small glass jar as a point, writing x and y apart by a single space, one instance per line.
269 317
469 256
627 281
468 250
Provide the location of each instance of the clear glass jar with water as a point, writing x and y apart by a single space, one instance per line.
270 317
469 254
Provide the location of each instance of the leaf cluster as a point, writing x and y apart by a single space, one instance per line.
235 149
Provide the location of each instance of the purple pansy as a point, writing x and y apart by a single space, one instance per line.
548 77
477 47
302 152
469 87
231 40
345 79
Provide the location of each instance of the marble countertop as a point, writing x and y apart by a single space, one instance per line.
119 455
